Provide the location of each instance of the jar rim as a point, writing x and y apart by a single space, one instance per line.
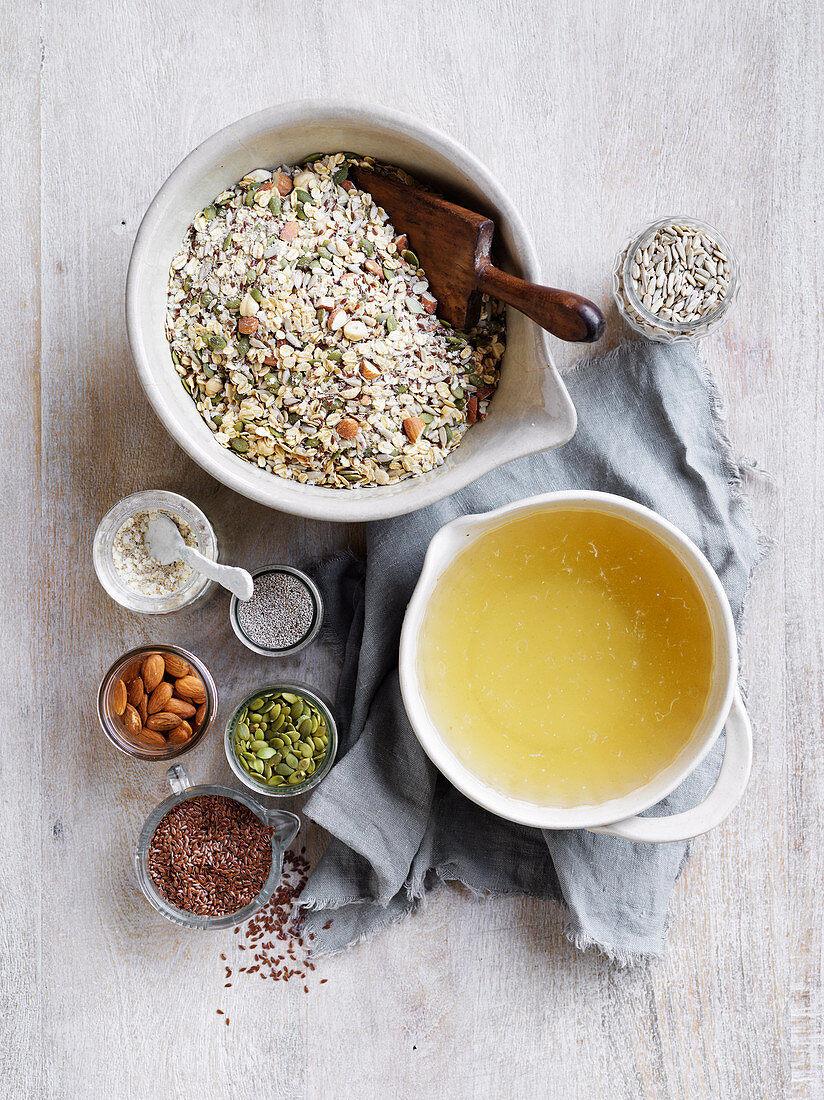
298 688
173 912
122 743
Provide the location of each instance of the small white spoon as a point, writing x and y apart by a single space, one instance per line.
165 544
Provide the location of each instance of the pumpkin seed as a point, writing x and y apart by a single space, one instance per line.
275 205
410 257
209 212
256 294
239 445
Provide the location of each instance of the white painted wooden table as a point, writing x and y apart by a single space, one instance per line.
599 116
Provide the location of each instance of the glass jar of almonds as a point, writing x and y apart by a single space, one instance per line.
156 702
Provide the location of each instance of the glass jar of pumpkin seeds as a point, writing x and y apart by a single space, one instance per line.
282 739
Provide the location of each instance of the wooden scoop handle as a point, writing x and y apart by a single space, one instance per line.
566 315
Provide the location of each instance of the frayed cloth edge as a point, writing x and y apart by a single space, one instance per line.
617 956
418 896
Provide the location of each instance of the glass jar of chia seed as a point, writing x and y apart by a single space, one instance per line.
284 614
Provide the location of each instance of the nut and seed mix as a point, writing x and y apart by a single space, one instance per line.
304 329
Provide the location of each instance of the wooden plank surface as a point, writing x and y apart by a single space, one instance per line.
598 116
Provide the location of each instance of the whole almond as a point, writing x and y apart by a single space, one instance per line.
180 733
200 714
131 720
160 697
152 738
348 428
131 671
152 671
413 426
135 691
190 687
119 697
143 708
180 707
283 183
163 721
175 666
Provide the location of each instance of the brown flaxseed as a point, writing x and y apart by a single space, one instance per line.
210 856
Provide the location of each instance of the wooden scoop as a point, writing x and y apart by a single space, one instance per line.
453 245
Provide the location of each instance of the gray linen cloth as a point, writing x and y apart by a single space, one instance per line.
648 429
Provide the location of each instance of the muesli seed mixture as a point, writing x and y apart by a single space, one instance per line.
305 331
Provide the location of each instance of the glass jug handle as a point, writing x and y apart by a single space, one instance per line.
178 778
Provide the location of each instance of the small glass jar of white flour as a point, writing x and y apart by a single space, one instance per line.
126 569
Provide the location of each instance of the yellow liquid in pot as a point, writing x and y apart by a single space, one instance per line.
566 658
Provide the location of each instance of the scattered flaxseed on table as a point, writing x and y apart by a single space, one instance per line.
305 331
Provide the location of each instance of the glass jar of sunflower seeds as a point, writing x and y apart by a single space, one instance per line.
282 739
676 279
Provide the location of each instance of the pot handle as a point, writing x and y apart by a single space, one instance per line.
719 803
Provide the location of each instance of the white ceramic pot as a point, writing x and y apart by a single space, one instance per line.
617 816
531 410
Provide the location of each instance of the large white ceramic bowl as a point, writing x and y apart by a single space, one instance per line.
531 410
617 816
